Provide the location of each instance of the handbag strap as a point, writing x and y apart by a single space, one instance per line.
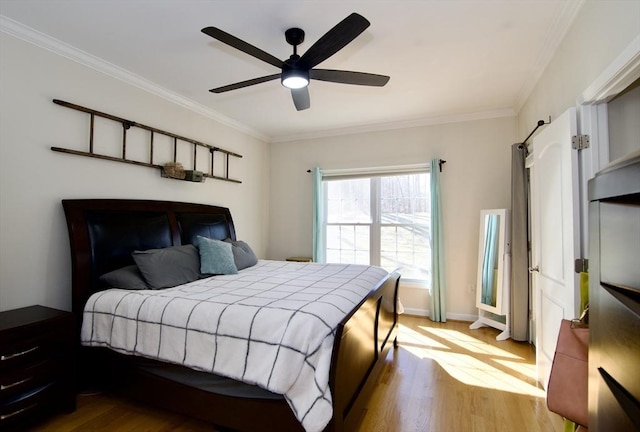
583 321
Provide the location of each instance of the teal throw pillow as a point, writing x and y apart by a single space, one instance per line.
216 257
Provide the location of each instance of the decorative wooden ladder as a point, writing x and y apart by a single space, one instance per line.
127 124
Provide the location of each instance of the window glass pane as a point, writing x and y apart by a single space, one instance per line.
347 237
333 255
349 201
362 258
362 245
404 198
348 244
333 237
407 249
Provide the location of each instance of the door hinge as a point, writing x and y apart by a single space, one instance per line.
580 142
582 265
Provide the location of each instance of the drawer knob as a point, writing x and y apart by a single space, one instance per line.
18 354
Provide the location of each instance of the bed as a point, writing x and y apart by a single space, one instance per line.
103 235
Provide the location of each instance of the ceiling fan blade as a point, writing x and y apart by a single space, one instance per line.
243 46
246 83
335 39
301 98
349 77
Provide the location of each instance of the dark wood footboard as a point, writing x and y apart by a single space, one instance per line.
363 340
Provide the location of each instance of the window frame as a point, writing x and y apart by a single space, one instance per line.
376 225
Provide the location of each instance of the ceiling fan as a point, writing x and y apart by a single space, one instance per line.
297 70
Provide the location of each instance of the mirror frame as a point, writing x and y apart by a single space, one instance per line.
503 283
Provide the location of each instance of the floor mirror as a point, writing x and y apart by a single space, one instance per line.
492 287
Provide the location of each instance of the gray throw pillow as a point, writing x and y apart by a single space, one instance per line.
168 267
243 255
128 277
216 257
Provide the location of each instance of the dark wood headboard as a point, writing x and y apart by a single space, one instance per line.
104 232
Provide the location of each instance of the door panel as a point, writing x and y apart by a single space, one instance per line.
550 260
551 315
555 233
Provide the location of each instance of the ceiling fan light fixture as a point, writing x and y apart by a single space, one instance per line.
295 78
296 71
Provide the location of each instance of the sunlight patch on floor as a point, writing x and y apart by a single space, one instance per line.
412 337
472 361
472 371
470 343
526 369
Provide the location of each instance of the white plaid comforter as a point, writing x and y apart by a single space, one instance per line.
272 325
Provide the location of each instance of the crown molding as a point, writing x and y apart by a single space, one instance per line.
34 37
401 124
619 75
557 32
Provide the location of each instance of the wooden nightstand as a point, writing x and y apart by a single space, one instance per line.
300 259
37 358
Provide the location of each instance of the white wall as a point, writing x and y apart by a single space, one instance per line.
34 249
476 176
600 32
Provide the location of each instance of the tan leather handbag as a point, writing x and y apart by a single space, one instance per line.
567 390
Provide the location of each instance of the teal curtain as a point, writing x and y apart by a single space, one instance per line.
490 259
318 213
437 292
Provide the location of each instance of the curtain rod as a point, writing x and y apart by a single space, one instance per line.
440 163
540 123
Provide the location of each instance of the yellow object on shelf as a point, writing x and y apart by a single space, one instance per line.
300 259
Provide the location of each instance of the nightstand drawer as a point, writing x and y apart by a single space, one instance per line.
37 361
21 352
23 407
23 346
23 379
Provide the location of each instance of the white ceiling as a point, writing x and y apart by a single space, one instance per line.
448 59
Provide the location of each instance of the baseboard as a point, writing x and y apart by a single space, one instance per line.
450 315
416 312
461 317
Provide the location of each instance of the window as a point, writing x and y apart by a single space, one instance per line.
380 220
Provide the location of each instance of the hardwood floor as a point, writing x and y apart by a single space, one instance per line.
98 412
442 378
447 378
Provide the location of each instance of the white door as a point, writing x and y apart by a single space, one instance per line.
555 229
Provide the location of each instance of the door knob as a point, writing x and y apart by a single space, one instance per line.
534 269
